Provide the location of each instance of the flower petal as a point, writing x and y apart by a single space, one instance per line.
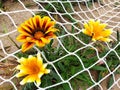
49 24
106 39
38 81
43 67
36 21
39 43
22 38
26 28
27 45
50 35
30 21
47 71
45 19
27 23
45 40
102 26
51 30
22 60
88 29
21 30
40 74
39 59
106 32
20 74
32 77
24 80
30 39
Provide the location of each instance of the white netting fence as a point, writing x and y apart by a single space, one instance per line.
80 11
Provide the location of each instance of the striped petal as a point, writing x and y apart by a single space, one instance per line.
27 45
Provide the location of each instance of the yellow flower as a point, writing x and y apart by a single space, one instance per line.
97 31
32 68
37 31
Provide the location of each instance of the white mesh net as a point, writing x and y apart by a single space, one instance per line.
77 12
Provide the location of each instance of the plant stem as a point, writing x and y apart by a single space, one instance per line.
13 42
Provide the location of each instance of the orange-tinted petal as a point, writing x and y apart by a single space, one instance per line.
96 25
22 38
31 23
50 35
27 45
27 23
30 39
36 20
21 30
51 30
44 21
49 25
26 28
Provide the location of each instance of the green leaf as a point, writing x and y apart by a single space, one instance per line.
66 87
30 86
100 68
49 46
61 66
110 82
85 78
118 36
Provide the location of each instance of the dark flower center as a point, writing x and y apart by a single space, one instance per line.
35 70
38 34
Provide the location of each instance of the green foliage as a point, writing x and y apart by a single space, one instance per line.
68 66
58 7
118 36
81 81
90 2
110 81
29 86
26 54
50 79
1 4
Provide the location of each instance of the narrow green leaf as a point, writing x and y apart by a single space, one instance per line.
110 82
101 68
118 36
62 68
66 87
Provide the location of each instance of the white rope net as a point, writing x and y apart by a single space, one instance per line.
108 11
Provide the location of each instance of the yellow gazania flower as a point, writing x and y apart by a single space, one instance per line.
97 31
32 68
37 31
